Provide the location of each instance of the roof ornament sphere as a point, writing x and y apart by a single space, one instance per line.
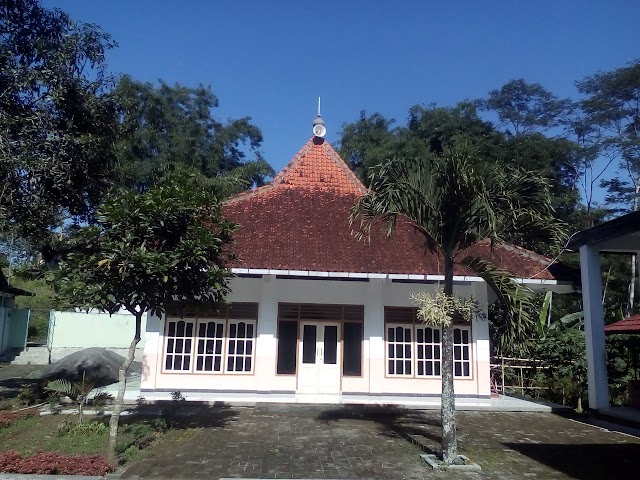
319 129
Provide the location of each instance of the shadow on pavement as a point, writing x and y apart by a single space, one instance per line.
412 425
584 461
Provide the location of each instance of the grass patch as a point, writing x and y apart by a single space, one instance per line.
52 433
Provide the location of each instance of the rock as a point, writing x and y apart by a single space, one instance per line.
99 365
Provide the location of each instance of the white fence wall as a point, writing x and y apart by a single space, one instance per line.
70 332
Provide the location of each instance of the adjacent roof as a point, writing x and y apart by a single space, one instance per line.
628 325
621 234
300 222
5 288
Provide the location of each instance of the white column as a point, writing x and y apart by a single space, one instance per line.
594 327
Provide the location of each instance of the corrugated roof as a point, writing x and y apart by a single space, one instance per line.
628 325
301 222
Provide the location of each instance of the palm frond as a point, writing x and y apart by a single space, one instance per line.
516 298
60 385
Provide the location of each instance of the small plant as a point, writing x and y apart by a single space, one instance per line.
78 392
82 430
31 394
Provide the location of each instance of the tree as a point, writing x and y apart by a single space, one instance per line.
525 108
57 120
171 128
145 252
455 201
612 106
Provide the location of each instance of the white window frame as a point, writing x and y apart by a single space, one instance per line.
435 348
246 340
461 347
404 344
183 340
195 341
204 340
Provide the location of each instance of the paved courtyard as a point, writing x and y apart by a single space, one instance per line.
293 441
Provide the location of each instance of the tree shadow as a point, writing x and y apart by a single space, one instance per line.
415 426
584 461
182 415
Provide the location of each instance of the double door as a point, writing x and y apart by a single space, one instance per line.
319 358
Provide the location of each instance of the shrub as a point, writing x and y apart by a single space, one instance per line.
83 429
8 417
53 463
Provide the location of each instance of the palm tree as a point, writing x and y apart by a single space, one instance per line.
455 201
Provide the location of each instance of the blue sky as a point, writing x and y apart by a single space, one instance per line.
272 59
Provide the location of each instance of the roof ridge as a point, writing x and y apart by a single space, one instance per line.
345 168
295 161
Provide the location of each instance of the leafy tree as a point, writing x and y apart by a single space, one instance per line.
524 108
456 201
146 251
612 107
171 128
57 119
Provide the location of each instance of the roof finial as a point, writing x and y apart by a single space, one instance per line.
318 124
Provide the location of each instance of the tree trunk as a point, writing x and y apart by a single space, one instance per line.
634 265
632 287
448 410
122 385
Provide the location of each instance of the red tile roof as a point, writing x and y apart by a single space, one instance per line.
301 222
628 325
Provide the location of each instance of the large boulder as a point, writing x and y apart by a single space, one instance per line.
100 366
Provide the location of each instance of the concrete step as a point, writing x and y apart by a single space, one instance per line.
32 356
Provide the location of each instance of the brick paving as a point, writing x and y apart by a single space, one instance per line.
333 442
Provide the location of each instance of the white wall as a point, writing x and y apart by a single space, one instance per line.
374 294
70 332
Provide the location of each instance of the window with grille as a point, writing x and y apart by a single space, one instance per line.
427 351
210 346
224 343
240 347
179 341
415 349
461 352
399 343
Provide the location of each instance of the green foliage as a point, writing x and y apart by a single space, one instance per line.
563 353
138 436
148 250
40 304
526 107
31 394
83 429
169 129
58 120
78 392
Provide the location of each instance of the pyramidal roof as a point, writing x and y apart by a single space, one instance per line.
300 222
316 166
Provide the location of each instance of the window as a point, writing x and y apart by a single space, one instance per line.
287 342
222 344
428 351
414 349
210 343
179 340
352 352
240 352
461 353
